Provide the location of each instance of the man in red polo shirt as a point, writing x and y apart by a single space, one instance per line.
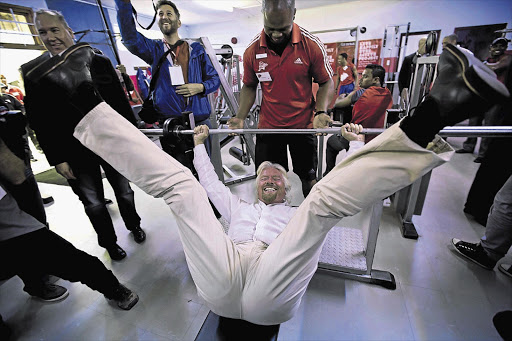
284 58
370 104
347 75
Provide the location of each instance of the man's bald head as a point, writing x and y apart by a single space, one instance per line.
277 5
278 18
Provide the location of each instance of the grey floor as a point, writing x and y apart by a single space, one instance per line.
439 295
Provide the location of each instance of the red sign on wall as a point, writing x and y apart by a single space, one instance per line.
331 49
368 52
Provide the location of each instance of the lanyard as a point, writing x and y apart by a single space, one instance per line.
173 60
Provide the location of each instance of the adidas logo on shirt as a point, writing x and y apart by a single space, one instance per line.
298 61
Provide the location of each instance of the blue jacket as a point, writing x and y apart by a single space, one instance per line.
165 98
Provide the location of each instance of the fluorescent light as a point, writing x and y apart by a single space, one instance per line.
226 6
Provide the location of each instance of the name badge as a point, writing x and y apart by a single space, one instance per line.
261 55
264 77
176 75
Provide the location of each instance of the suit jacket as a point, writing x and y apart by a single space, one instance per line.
404 77
48 109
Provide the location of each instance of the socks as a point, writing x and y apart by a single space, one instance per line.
425 122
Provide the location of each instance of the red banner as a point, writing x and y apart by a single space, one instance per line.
332 54
368 52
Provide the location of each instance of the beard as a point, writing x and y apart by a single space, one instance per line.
170 29
269 198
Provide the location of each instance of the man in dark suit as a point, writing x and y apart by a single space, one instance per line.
404 77
73 161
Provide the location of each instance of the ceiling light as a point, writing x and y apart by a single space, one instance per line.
226 6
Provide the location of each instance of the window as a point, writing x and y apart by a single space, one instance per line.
17 30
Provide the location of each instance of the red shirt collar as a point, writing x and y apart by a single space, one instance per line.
294 40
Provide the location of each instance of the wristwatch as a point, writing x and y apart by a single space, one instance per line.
319 112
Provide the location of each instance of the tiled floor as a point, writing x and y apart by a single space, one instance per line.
439 296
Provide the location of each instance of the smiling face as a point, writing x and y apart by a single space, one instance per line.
498 49
278 24
55 35
168 20
271 186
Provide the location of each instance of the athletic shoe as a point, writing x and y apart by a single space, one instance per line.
52 293
125 298
474 252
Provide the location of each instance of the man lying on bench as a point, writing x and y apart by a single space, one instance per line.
260 272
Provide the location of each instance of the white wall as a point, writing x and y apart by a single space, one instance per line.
375 15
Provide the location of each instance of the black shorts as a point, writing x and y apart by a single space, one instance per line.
303 151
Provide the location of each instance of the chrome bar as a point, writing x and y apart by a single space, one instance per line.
487 131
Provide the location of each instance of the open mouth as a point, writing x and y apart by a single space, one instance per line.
269 190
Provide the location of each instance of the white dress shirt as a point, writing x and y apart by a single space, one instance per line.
247 221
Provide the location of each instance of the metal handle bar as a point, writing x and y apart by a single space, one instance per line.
486 131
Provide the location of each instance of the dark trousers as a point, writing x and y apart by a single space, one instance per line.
335 144
43 252
89 188
29 200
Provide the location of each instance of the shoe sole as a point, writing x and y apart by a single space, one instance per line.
504 271
478 77
134 302
467 257
56 299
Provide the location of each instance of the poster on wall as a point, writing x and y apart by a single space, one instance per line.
331 54
368 52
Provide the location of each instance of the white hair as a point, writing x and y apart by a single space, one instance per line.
287 185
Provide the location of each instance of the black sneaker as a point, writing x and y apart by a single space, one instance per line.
474 252
506 269
125 298
52 293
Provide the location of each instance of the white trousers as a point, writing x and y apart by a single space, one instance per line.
249 281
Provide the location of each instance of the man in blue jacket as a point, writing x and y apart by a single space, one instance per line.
173 94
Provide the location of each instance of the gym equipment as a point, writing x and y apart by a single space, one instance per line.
170 127
218 328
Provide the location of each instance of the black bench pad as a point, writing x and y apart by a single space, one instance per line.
218 328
